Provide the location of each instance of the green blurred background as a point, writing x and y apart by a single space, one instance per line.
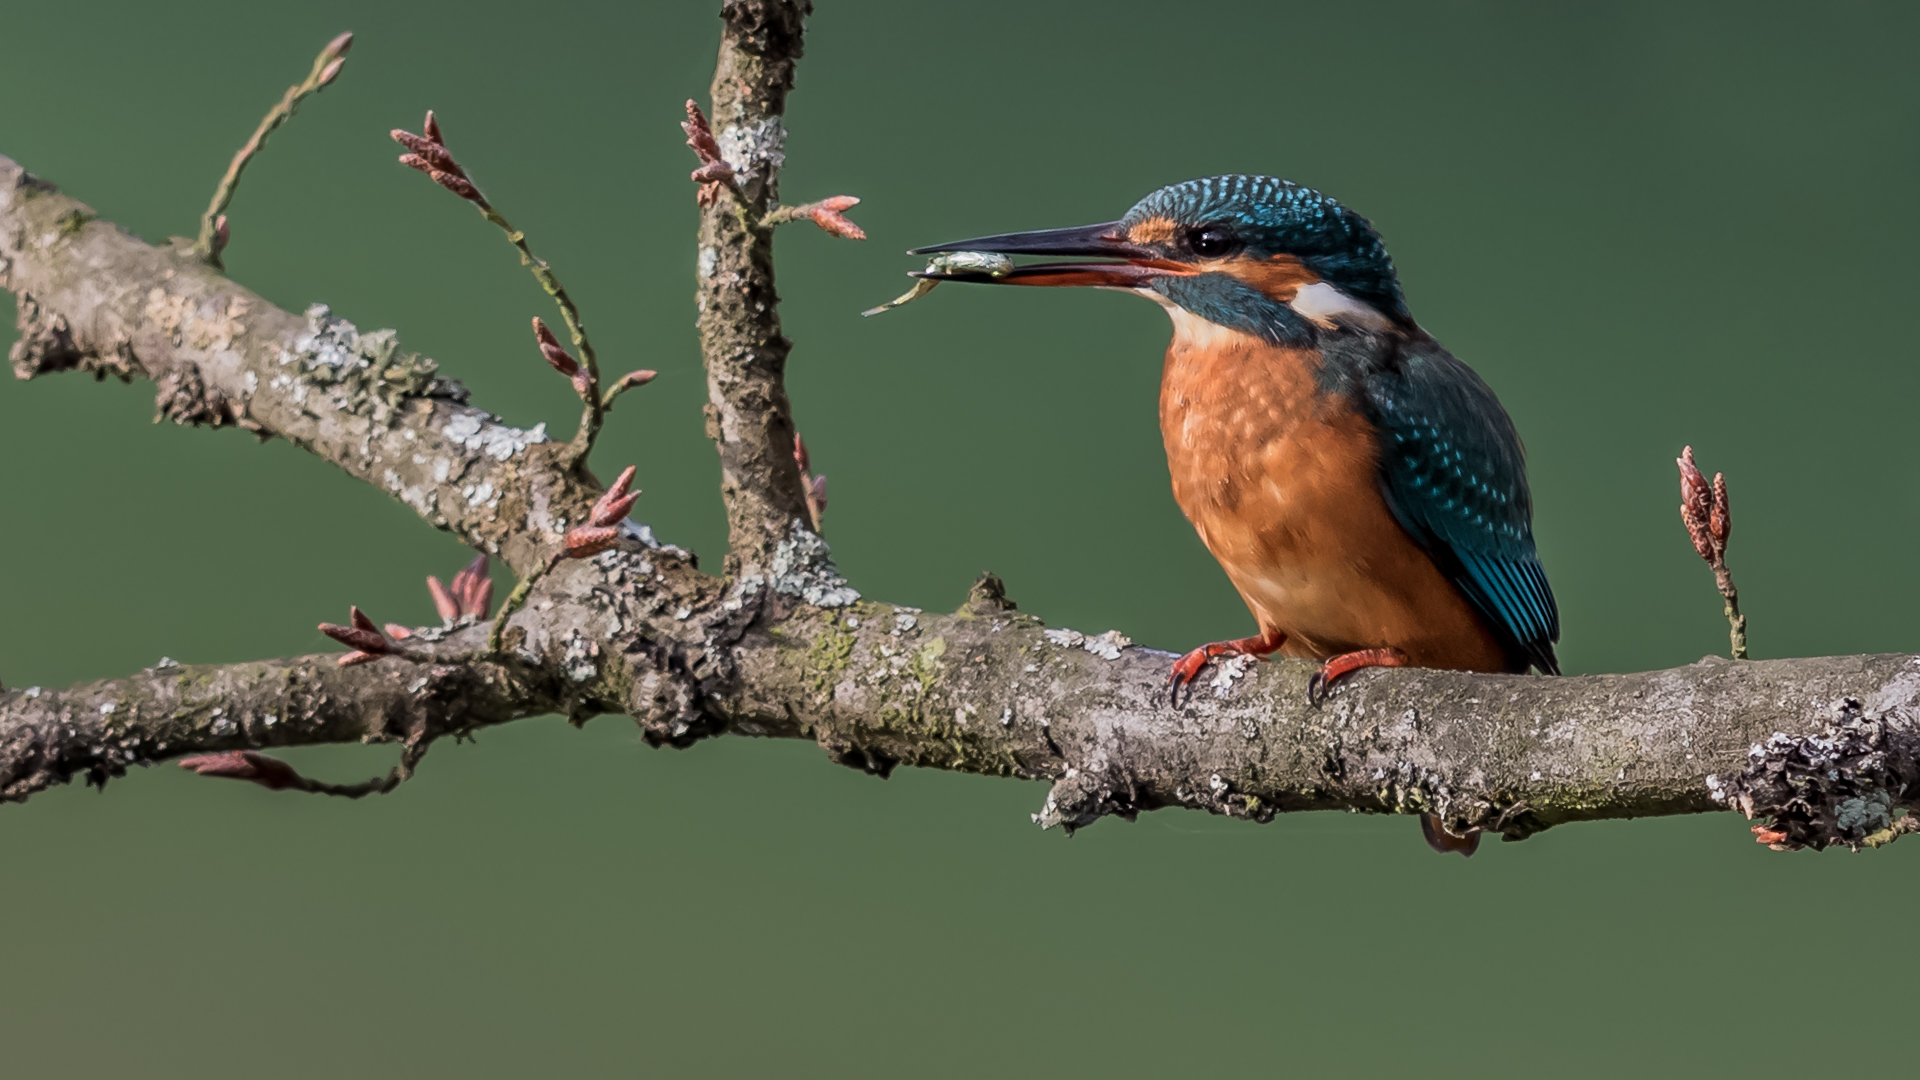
1644 224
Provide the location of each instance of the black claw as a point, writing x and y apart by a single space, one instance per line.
1317 689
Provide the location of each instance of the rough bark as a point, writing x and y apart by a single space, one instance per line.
748 416
1828 748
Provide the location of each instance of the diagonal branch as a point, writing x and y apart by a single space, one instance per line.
94 298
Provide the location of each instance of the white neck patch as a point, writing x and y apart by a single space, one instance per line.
1325 305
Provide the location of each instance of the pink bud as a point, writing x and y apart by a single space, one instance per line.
584 540
443 600
562 361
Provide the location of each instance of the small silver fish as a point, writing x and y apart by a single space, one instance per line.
950 262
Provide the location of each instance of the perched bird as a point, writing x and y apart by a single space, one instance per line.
1363 489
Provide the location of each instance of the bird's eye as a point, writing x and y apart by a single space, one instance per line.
1210 242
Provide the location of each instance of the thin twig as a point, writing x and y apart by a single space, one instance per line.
276 775
1708 516
429 154
326 66
513 603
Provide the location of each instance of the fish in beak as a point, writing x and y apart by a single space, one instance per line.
1124 265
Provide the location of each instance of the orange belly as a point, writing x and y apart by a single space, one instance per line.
1281 482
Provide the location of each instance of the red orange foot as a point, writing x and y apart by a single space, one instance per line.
1188 667
1345 663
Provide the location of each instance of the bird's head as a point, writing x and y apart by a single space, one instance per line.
1250 253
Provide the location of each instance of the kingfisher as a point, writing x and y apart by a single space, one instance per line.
1363 489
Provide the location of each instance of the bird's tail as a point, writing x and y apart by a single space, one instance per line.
1442 841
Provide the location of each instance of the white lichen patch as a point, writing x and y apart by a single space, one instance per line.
643 534
107 708
709 258
579 660
478 434
1106 646
751 148
365 374
223 726
803 567
1226 671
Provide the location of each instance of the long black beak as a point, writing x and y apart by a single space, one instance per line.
1133 265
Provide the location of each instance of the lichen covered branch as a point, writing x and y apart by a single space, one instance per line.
748 414
94 298
97 730
608 620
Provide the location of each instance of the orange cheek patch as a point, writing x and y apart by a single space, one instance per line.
1279 277
1154 230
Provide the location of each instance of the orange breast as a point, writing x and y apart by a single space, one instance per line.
1281 482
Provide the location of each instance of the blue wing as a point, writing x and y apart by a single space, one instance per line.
1454 474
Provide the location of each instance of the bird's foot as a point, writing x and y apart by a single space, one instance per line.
1188 667
1442 841
1345 663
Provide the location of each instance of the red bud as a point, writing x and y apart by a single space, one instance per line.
480 598
360 620
270 773
431 128
584 540
459 185
435 155
398 632
339 46
713 172
612 505
550 347
1721 521
328 73
700 134
354 637
1696 505
444 601
826 214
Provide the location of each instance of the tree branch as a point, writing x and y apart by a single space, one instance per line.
95 298
98 729
1827 749
748 415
